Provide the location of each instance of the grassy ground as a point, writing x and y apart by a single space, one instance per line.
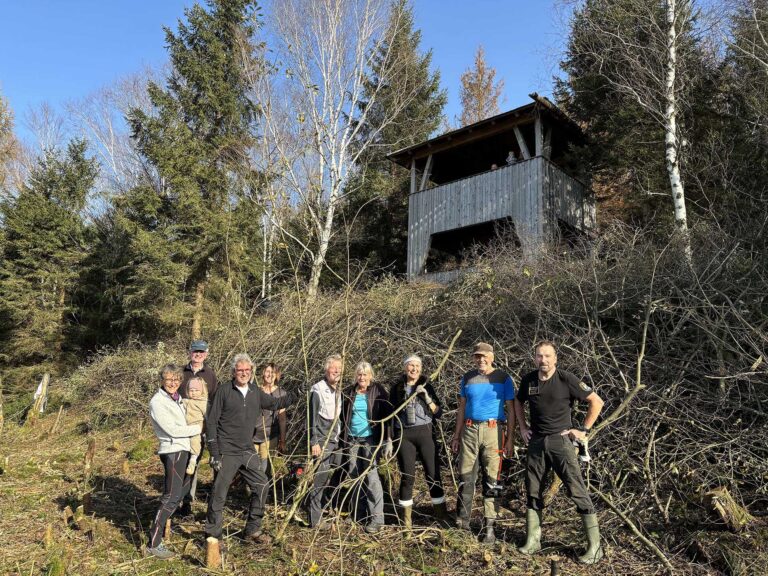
42 474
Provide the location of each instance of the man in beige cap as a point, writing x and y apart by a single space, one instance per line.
485 404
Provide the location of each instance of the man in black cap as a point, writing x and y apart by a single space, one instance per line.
198 353
550 393
196 368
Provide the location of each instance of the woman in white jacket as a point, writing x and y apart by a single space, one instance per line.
169 421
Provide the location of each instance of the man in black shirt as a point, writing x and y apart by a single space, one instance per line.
550 393
231 421
196 368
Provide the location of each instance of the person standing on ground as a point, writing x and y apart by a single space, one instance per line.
550 394
366 405
271 429
231 420
196 368
412 431
324 430
169 422
485 404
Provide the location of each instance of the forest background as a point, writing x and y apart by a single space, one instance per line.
243 195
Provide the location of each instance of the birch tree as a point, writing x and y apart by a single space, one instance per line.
325 49
632 73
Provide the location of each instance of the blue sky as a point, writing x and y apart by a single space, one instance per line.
55 51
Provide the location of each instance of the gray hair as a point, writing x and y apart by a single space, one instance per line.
241 358
330 360
364 367
169 369
416 359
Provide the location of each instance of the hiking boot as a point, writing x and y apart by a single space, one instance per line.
259 537
322 526
373 527
160 551
462 523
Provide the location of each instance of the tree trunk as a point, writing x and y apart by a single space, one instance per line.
322 248
671 139
197 318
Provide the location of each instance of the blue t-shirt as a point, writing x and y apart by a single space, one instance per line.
359 425
486 394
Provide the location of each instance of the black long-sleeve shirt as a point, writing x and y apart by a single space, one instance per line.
232 418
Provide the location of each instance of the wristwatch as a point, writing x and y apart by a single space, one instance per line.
584 429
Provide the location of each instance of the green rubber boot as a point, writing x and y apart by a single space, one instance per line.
594 551
532 532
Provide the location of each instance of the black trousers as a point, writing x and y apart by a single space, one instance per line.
418 441
555 452
249 465
175 486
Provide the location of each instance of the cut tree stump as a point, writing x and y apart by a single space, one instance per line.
212 553
720 502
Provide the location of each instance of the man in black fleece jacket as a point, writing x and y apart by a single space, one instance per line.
230 423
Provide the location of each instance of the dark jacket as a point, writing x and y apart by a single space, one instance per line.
206 373
378 409
397 397
232 419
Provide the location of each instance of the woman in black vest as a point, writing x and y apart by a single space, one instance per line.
412 432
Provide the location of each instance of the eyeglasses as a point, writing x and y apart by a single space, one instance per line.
172 379
199 351
243 370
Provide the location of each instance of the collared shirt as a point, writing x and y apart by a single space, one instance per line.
325 407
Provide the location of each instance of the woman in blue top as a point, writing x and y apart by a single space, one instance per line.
365 406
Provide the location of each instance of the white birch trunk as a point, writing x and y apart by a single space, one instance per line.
671 139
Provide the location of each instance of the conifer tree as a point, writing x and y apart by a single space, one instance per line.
43 245
480 91
192 234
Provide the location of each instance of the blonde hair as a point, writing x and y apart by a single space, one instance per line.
364 367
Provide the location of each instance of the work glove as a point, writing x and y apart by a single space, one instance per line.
215 463
423 391
388 449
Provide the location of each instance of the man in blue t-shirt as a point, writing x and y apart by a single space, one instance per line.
485 405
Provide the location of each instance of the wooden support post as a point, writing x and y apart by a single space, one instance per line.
212 553
548 142
413 175
521 143
167 533
538 129
427 173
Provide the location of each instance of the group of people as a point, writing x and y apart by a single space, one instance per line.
244 420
